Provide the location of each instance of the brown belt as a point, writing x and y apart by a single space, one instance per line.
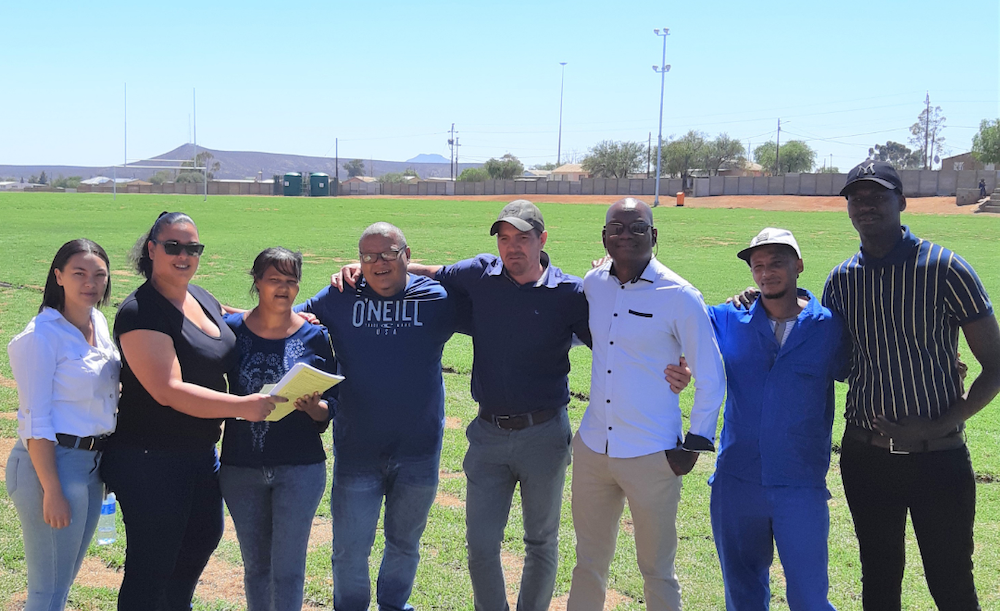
872 438
522 421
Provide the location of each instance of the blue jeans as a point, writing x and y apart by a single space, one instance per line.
409 486
497 460
172 509
53 556
273 509
749 520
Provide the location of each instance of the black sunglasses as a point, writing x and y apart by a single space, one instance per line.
635 228
174 248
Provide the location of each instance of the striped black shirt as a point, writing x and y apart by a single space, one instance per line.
903 313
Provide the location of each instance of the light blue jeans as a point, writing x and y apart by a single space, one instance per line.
53 556
273 510
497 460
408 486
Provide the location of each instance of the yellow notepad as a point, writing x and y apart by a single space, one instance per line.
301 380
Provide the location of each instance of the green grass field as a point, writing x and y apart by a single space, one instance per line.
698 244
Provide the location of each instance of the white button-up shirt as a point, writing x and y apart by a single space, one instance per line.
64 385
639 328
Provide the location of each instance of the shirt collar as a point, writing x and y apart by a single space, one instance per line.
649 274
899 253
549 278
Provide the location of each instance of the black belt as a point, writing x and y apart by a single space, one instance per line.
872 438
91 444
522 421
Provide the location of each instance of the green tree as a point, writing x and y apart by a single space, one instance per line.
926 133
794 156
721 151
355 167
201 160
828 170
506 168
67 183
410 172
899 155
32 179
684 154
43 179
609 159
474 175
161 177
549 166
391 177
986 144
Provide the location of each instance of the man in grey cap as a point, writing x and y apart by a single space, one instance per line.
769 488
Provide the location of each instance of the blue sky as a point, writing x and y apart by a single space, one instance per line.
389 78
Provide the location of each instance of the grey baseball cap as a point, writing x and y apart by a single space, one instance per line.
522 214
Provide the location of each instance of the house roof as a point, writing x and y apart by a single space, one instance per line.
569 168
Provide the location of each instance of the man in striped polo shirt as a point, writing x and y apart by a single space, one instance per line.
903 300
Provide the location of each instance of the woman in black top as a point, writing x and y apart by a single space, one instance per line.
161 461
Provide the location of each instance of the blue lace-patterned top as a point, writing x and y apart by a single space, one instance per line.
295 439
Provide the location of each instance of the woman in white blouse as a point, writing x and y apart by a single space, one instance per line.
66 367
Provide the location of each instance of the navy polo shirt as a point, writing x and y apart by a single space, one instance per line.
521 333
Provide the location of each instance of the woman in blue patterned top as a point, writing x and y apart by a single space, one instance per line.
274 473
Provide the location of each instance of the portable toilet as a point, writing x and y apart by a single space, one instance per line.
293 183
319 184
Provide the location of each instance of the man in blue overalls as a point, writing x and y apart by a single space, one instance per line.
769 487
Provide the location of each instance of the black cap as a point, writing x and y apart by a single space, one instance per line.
880 172
522 214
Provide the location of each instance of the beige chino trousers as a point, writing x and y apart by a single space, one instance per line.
601 485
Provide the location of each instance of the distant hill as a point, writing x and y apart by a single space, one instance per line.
248 164
425 158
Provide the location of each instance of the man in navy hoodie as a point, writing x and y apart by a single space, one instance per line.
388 334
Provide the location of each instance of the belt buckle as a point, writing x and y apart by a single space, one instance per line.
498 419
892 448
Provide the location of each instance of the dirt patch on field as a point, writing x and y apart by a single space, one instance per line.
321 533
451 422
95 574
448 500
790 203
7 382
450 474
5 446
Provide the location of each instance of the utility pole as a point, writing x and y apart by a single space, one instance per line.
927 130
451 156
662 69
336 157
777 152
456 157
562 80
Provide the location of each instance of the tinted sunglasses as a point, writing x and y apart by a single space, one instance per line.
173 247
635 228
390 255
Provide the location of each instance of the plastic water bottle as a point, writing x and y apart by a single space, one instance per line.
106 523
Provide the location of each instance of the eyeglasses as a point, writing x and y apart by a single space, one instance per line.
391 255
635 228
173 247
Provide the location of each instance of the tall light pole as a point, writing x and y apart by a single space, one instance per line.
562 80
663 68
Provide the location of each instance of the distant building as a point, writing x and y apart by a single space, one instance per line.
965 161
743 168
536 175
13 185
569 171
100 180
360 179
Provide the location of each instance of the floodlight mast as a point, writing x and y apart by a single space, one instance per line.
663 68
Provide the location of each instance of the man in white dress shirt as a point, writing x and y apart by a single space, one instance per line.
630 444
